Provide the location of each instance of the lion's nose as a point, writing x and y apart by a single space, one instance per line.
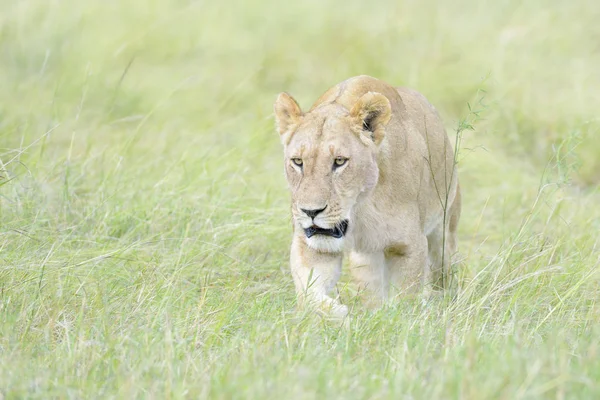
313 213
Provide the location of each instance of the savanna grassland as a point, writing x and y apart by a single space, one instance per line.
144 214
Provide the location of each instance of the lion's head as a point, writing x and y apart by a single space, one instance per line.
330 160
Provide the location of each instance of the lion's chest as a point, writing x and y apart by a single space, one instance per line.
376 229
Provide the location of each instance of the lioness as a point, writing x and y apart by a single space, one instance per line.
371 172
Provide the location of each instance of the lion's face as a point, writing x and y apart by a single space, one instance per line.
327 167
330 160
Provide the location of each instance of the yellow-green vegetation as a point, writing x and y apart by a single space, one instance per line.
144 215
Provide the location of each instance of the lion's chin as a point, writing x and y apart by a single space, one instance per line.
325 244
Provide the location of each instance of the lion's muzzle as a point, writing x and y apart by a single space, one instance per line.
338 231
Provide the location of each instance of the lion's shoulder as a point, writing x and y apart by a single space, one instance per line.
348 92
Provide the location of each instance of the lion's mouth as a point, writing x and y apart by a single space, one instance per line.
336 232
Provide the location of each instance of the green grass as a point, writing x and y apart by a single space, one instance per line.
144 215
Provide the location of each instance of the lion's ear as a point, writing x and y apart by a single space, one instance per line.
287 112
372 112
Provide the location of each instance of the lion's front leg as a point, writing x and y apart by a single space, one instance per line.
315 276
409 270
370 272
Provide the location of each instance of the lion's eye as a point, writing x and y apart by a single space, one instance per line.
339 161
297 161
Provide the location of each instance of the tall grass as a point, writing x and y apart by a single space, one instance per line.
144 220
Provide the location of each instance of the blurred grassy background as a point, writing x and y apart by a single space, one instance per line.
144 221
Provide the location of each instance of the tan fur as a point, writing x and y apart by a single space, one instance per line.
398 179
